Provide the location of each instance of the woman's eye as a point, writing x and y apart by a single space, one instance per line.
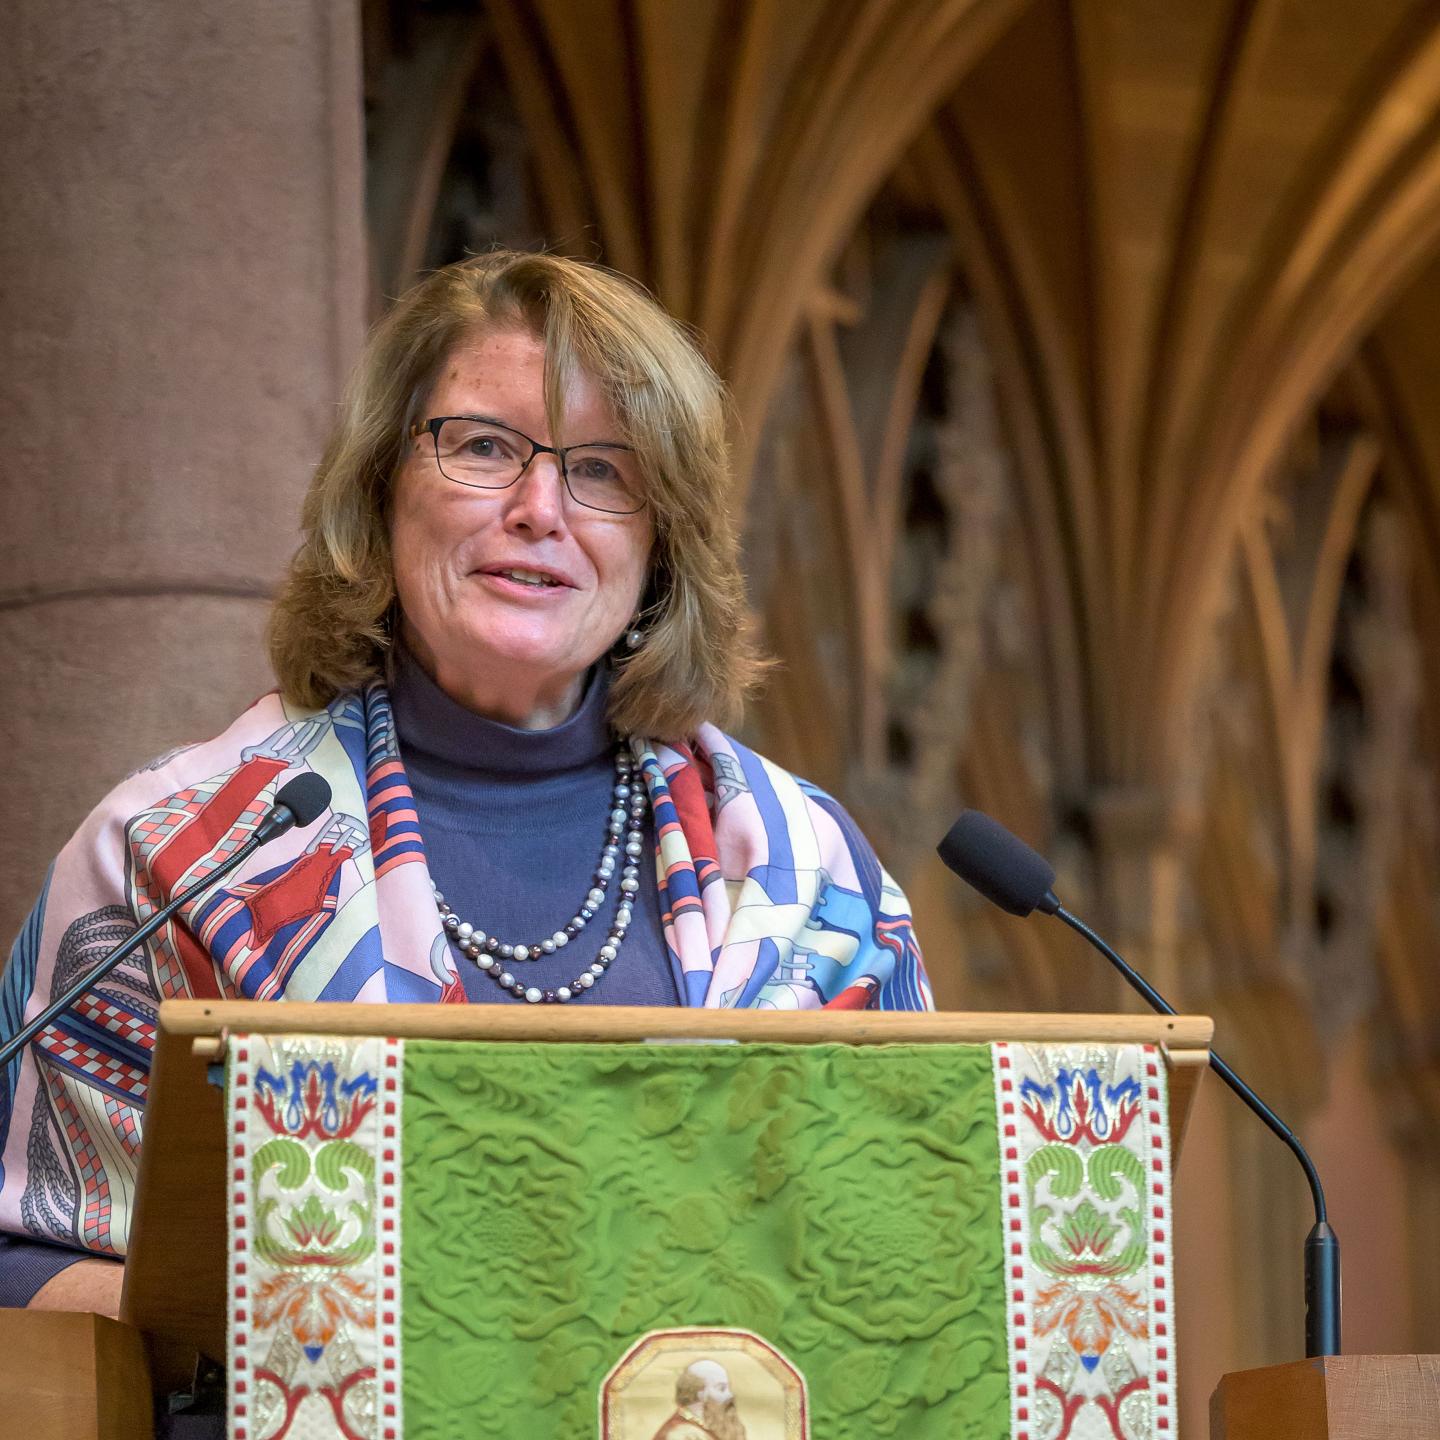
485 447
592 468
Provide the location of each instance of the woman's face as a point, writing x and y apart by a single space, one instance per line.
503 647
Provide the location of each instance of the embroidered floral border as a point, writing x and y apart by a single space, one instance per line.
1085 1199
314 1346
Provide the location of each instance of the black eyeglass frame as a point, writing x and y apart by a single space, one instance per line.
432 428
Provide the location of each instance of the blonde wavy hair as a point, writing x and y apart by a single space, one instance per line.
331 625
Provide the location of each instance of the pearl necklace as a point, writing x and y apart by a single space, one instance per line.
494 956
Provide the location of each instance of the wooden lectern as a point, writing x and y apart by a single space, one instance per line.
1338 1397
175 1295
175 1292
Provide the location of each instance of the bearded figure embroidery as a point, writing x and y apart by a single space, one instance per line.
705 1406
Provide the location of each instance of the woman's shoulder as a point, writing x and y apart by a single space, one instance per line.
793 847
731 758
268 726
772 797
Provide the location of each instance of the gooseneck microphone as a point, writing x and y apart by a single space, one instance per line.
1008 873
298 802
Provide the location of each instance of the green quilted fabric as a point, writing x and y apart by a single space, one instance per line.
562 1200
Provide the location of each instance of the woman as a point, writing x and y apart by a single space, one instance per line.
507 639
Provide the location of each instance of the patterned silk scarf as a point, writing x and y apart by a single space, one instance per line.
769 895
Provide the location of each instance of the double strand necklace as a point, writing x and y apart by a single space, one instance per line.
624 828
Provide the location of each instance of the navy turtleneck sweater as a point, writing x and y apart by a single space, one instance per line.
513 823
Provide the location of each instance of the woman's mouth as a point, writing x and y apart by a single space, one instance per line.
523 579
527 577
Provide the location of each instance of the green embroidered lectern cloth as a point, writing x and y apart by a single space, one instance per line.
941 1242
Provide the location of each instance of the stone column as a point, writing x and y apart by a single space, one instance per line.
182 282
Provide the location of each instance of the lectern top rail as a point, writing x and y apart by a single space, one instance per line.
635 1023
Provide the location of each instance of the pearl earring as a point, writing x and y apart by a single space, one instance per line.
634 639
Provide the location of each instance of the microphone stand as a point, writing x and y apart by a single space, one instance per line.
272 826
1322 1245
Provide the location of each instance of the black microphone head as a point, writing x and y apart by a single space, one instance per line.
1001 866
305 797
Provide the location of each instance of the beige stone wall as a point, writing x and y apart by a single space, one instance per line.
182 283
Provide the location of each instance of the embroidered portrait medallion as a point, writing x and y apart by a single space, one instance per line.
703 1384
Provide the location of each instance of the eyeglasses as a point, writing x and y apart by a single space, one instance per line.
472 450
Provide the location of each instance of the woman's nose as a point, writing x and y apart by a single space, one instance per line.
536 501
